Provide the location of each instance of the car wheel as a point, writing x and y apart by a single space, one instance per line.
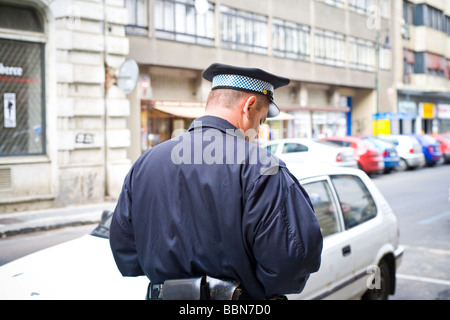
402 166
385 284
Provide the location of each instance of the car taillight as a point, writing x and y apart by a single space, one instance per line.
339 158
430 149
385 153
411 150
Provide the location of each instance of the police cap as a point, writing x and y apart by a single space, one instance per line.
256 80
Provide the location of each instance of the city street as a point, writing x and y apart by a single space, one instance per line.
420 200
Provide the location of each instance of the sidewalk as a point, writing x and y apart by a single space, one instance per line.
30 221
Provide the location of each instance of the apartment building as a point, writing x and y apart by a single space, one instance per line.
336 52
423 83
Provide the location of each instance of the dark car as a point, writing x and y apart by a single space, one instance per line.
430 148
388 151
367 155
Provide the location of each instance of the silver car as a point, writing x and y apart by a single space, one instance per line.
409 150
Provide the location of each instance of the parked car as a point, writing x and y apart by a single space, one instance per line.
444 141
80 269
409 150
366 154
361 243
430 148
360 235
311 151
388 151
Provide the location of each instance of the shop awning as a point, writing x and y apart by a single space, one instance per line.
282 116
182 109
194 110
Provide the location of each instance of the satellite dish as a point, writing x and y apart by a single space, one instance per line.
127 76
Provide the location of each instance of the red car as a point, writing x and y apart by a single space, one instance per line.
369 159
444 141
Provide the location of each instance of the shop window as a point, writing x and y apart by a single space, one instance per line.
22 89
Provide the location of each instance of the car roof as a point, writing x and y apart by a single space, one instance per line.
305 171
346 138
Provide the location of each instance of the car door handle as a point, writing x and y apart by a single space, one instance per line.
347 250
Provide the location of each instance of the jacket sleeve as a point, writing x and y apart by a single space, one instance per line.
121 236
283 233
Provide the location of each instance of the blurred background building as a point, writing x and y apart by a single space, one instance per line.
69 134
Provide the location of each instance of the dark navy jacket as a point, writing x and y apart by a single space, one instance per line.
210 203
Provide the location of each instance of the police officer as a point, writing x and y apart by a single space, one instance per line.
211 202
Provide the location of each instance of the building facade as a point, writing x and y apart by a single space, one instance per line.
63 135
333 51
423 83
68 134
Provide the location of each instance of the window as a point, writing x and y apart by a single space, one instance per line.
291 40
137 17
22 86
430 63
294 147
179 20
272 148
335 3
361 54
324 206
408 12
408 65
329 48
244 31
356 202
425 15
361 6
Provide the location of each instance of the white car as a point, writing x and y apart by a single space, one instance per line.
360 245
306 151
409 150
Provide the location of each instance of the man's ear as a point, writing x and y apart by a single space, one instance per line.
249 104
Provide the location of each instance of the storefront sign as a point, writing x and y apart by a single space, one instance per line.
427 110
10 71
443 111
407 107
381 127
9 103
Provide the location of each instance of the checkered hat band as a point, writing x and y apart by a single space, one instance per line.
242 82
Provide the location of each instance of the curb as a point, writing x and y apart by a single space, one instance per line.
31 221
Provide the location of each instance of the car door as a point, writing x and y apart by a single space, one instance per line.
366 233
337 260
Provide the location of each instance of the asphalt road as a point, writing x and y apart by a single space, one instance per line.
421 201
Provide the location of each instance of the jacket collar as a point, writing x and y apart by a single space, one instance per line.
216 123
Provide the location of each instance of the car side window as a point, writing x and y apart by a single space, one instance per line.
324 206
356 201
294 147
272 148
